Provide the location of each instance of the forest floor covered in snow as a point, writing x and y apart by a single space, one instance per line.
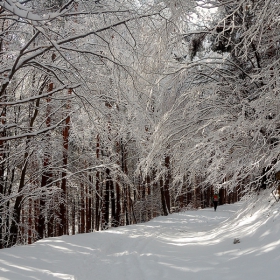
188 245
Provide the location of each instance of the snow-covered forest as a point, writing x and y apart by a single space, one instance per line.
117 112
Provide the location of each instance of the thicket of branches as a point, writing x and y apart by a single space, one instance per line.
114 112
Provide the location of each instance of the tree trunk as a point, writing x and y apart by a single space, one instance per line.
88 207
73 216
113 205
163 201
106 204
63 210
118 203
82 209
97 187
2 177
166 184
18 203
46 176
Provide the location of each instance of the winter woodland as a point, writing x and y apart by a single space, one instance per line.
116 112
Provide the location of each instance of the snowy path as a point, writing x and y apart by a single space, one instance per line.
191 245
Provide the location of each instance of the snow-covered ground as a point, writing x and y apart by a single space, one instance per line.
191 245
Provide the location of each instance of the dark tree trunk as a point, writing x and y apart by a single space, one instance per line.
148 190
97 201
118 203
113 205
18 204
88 208
106 204
208 197
2 177
46 176
189 195
73 217
163 201
166 184
82 209
97 188
63 210
222 194
125 189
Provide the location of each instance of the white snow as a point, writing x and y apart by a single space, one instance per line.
191 245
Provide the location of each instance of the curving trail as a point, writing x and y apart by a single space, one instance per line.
190 245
